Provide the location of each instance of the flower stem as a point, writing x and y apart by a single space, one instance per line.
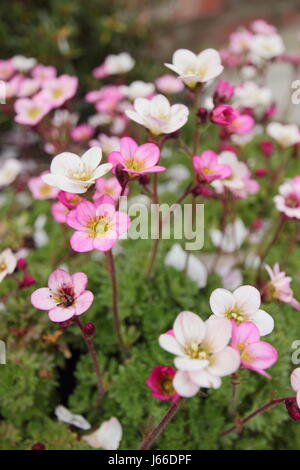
115 306
156 241
151 438
239 424
91 348
234 392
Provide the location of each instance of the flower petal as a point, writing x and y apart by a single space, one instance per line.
81 242
60 314
189 327
263 321
83 302
41 299
79 281
221 301
295 379
204 379
186 363
92 157
217 333
247 299
183 384
59 278
170 344
225 362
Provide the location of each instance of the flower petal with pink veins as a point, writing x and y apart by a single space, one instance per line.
246 332
247 298
149 153
85 211
41 299
264 354
128 147
83 302
72 221
58 278
189 327
221 301
184 385
79 281
105 243
225 362
81 242
60 314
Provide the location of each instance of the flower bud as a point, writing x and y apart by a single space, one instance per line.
22 264
144 179
38 446
202 115
224 115
261 172
27 281
292 408
267 148
89 329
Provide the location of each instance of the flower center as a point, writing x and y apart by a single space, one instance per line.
195 351
99 226
82 173
3 266
45 189
236 314
33 112
64 297
292 201
135 165
166 385
57 92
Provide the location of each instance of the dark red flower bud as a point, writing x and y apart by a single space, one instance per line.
122 176
202 115
22 263
89 329
267 148
144 179
38 446
261 172
64 324
27 281
292 408
257 224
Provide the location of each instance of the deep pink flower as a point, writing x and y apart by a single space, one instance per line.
135 159
41 190
224 91
255 354
224 115
160 381
70 200
65 296
59 212
207 167
98 226
109 186
267 147
82 132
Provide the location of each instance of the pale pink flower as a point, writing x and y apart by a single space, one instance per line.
288 199
28 87
8 263
106 99
255 354
265 47
285 134
59 90
40 189
114 64
241 305
6 69
65 296
135 159
82 132
242 124
160 381
75 174
137 89
208 167
279 285
239 41
59 212
169 84
158 115
30 111
193 68
12 86
262 27
295 383
201 350
107 143
43 72
98 225
9 171
109 186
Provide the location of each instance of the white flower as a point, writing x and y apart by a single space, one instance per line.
180 260
266 47
235 181
9 170
40 236
241 305
285 135
107 437
232 238
137 89
201 351
75 174
295 383
193 69
65 416
118 63
8 263
22 63
250 95
157 115
178 172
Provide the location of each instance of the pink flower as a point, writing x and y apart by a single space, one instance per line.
241 125
279 285
109 186
30 111
98 226
255 354
135 159
160 381
262 27
59 212
207 167
105 99
28 87
43 72
169 84
288 199
239 41
224 115
69 200
6 69
12 87
295 382
59 90
82 132
41 190
224 91
64 297
267 147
